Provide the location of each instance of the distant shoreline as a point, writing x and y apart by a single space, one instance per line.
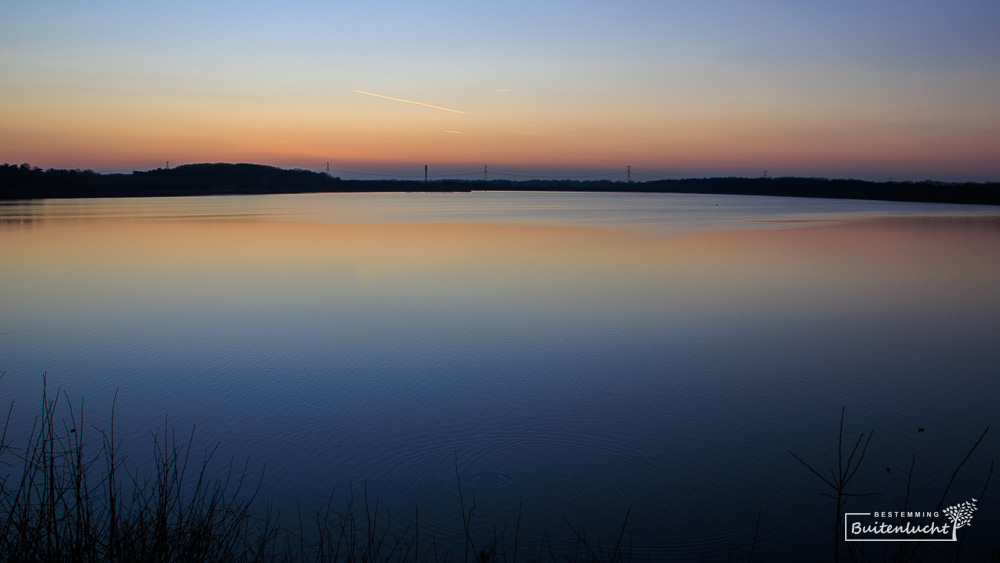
23 182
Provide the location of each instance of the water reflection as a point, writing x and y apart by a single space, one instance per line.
581 364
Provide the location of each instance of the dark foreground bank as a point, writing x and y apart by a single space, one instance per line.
26 182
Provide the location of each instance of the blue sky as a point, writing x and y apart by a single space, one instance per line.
873 89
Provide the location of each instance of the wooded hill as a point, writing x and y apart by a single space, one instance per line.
27 182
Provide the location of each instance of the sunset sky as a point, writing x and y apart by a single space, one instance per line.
874 89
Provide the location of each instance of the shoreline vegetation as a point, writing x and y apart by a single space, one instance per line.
68 493
21 182
64 496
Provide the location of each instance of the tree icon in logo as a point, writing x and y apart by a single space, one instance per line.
961 516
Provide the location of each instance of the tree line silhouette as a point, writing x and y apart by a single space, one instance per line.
26 182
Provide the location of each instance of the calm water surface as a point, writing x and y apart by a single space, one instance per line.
577 353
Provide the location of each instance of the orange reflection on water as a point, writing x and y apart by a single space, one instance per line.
196 263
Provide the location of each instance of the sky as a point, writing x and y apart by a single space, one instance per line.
878 89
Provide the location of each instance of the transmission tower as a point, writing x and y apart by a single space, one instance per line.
484 172
628 174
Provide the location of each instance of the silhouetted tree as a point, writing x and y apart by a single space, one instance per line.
27 182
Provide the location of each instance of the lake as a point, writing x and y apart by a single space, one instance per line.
581 356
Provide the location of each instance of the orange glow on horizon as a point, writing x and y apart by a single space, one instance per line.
730 92
116 132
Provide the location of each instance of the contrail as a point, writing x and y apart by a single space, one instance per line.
409 101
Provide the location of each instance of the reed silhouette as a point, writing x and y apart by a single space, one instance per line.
68 494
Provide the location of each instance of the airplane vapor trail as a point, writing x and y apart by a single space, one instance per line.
409 101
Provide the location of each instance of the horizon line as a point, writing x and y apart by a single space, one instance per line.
510 175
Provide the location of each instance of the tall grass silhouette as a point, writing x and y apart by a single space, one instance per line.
67 493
